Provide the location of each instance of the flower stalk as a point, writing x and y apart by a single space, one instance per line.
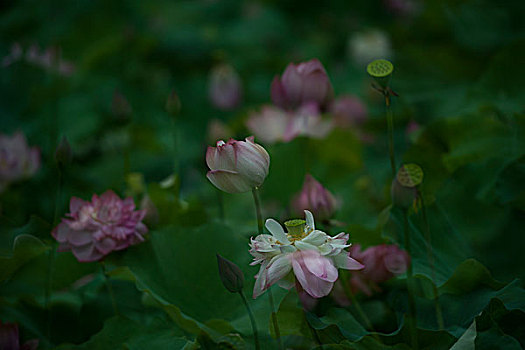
252 320
410 285
109 287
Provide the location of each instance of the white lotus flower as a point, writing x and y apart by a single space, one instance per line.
281 251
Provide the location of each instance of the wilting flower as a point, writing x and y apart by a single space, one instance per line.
225 87
367 46
95 229
316 198
313 255
300 84
381 262
18 161
237 166
10 338
348 111
273 124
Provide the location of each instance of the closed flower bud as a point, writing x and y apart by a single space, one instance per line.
225 87
173 104
231 275
237 166
348 111
316 198
302 83
63 154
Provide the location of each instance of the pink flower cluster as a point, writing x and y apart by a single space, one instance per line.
17 160
95 229
381 262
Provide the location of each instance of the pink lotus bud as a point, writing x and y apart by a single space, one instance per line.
348 111
231 275
17 160
381 262
237 166
95 229
316 198
225 87
10 339
302 83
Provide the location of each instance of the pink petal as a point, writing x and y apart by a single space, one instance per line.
87 253
78 238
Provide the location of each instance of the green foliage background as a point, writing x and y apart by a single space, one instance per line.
459 74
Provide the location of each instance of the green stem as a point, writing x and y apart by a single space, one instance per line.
390 122
175 137
220 201
109 287
274 320
437 305
410 286
252 320
257 202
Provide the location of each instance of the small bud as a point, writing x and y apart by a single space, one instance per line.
295 227
63 153
173 105
231 275
381 70
120 106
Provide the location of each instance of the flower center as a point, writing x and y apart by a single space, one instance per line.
297 229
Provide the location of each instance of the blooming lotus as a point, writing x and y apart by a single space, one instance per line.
313 256
237 166
303 83
273 124
18 161
315 198
95 229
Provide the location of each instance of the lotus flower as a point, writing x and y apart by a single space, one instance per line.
10 339
237 166
316 198
225 87
348 111
273 124
95 229
381 262
18 161
313 255
302 83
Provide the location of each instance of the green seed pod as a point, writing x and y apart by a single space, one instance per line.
231 275
295 227
381 70
410 175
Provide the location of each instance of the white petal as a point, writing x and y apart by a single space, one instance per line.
276 230
278 269
316 238
309 219
304 246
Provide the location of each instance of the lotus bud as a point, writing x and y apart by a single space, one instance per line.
237 166
231 275
348 111
316 198
225 87
63 153
302 83
173 105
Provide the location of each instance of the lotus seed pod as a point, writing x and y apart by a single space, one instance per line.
410 175
381 70
295 227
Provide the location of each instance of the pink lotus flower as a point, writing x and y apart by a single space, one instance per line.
381 262
237 166
348 111
313 256
316 198
18 161
302 83
10 338
225 87
95 229
273 124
